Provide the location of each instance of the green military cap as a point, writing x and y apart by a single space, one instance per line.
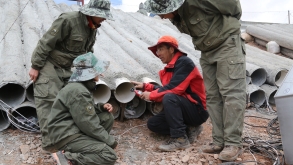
87 67
162 6
97 8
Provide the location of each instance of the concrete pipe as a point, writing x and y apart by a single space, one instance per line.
124 90
116 107
135 108
156 107
257 74
248 80
276 76
102 93
24 117
4 121
270 92
12 94
287 52
30 92
255 94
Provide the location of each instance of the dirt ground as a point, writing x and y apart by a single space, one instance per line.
137 145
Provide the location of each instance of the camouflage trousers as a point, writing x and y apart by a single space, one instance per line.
88 151
50 81
224 74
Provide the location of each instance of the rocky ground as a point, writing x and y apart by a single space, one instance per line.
137 145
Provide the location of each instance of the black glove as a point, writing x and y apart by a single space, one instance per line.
114 145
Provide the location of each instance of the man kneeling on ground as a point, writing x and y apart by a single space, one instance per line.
76 125
182 94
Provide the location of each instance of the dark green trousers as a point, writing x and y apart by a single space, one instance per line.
50 81
224 73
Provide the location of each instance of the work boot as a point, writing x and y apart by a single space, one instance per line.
212 148
230 153
193 132
175 143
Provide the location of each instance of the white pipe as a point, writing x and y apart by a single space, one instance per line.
270 92
116 107
12 94
135 108
255 94
102 93
124 90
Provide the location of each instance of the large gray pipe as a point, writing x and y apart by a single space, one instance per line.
30 92
257 74
270 92
12 94
24 117
255 94
4 121
135 108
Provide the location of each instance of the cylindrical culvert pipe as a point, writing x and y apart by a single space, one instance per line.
124 90
276 76
257 74
30 92
4 121
12 94
135 108
255 94
24 117
116 107
270 92
156 107
102 93
248 80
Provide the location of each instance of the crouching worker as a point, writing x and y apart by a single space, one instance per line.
76 125
182 94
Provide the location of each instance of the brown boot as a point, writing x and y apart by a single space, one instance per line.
230 153
212 149
174 144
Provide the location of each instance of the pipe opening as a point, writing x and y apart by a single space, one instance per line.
280 77
156 107
12 94
102 93
258 97
258 77
28 112
135 108
124 93
30 93
4 121
116 107
272 99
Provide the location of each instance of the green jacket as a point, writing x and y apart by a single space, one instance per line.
74 113
68 37
208 22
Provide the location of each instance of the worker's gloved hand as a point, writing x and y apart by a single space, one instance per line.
114 145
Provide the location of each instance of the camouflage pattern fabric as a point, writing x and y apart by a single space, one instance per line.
162 6
87 67
97 8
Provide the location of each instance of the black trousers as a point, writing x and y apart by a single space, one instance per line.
178 113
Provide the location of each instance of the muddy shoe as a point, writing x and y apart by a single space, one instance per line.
212 148
174 144
230 153
193 132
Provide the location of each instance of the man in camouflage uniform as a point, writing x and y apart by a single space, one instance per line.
75 124
214 27
72 34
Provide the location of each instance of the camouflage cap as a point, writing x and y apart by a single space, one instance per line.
97 8
87 67
162 6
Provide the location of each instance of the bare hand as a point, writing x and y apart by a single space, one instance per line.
33 73
108 107
145 95
137 85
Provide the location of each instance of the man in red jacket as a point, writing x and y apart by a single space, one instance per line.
182 94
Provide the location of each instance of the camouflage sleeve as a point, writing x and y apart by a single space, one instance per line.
84 115
57 32
226 7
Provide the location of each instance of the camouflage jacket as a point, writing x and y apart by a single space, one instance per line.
74 113
208 22
68 37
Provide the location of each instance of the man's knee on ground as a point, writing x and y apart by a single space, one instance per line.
167 97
